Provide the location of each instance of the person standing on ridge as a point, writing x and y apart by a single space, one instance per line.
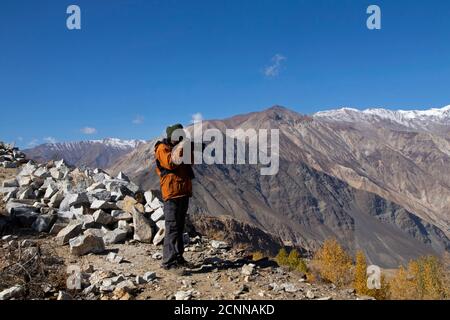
176 188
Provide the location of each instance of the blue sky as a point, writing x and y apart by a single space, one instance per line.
138 65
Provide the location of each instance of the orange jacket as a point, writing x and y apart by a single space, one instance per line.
175 180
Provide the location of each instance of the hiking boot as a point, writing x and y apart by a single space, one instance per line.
176 270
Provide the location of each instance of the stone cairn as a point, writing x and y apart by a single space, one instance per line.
83 208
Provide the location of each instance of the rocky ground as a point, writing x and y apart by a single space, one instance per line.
135 273
69 233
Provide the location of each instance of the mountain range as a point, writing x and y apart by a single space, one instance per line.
93 153
377 180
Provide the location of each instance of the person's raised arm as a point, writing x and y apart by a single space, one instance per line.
164 156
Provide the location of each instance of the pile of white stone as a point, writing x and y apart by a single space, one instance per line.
87 209
10 156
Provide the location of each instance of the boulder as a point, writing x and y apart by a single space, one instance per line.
115 236
88 221
56 199
70 231
248 269
101 194
44 223
122 224
96 186
57 227
41 172
9 165
50 191
121 215
96 232
74 199
56 173
123 176
16 206
156 203
103 218
148 195
26 193
219 244
103 205
149 276
127 204
78 212
85 244
63 295
114 258
158 215
10 183
143 231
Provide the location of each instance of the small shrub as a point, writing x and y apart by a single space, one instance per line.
258 255
282 257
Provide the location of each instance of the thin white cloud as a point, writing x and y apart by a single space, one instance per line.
33 143
138 120
20 139
273 70
197 117
50 140
89 130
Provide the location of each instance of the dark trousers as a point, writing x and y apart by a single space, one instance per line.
175 216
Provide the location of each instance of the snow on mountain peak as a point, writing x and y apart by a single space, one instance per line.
410 118
118 143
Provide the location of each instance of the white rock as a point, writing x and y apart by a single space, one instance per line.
102 217
10 183
148 195
103 205
310 294
74 199
158 215
143 231
123 176
115 236
149 276
219 244
248 269
13 292
85 244
70 231
156 203
62 295
183 295
51 190
114 258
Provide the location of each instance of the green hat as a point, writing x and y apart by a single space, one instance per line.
171 129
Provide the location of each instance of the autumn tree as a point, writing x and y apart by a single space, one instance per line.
333 263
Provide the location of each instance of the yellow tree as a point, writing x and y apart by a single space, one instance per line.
360 276
333 263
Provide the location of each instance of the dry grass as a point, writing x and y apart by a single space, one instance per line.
33 267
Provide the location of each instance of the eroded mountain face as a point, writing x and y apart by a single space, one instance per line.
380 188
